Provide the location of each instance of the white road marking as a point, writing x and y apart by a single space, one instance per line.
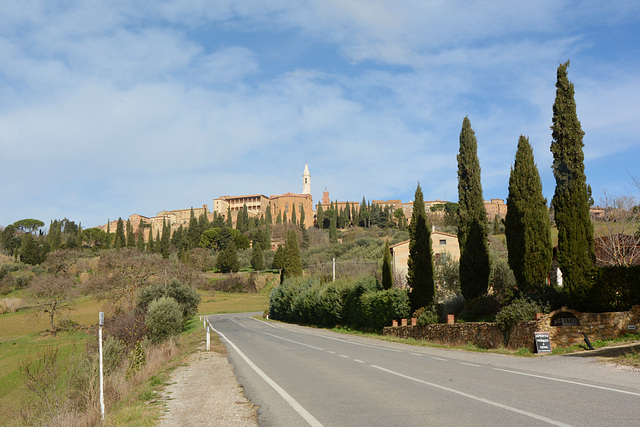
416 354
471 396
358 360
286 396
470 364
344 355
569 382
295 342
438 358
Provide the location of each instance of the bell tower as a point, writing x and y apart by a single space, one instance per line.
306 180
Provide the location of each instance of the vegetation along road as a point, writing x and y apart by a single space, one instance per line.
304 376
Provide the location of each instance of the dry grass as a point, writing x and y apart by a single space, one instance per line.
10 305
223 302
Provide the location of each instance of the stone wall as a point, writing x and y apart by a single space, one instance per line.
596 326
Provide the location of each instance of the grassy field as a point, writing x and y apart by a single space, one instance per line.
25 333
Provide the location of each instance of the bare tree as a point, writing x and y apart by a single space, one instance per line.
617 239
52 296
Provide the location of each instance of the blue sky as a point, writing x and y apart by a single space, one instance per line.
109 108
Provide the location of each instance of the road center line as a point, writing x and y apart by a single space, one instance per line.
471 396
469 364
569 382
439 358
286 396
294 342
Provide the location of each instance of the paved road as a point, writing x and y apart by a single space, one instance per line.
303 376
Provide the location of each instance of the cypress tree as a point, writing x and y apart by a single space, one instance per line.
284 218
294 219
571 198
140 239
420 262
108 239
387 276
120 240
527 226
227 260
150 242
302 218
472 230
257 258
333 231
165 240
292 261
245 218
267 216
278 258
229 219
279 218
193 232
131 238
320 216
240 226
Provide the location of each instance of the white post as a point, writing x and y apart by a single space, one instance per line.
101 317
334 269
208 339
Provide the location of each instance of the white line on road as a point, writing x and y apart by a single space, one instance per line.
438 358
344 355
569 382
471 396
358 360
416 354
286 396
469 364
295 342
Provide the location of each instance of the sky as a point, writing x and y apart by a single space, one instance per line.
115 107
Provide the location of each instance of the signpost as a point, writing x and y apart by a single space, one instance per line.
101 317
543 342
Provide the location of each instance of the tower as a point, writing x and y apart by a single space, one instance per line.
306 180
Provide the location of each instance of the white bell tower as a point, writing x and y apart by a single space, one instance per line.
306 180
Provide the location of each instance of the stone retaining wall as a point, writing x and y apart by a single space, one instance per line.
487 335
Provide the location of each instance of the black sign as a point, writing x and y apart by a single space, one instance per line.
543 342
565 318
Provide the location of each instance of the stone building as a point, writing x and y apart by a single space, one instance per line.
495 207
441 243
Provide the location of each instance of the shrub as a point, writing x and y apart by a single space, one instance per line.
380 308
427 316
187 297
480 309
164 319
503 281
128 327
519 310
235 283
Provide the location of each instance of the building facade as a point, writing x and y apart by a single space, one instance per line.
441 244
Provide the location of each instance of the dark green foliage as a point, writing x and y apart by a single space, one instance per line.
131 238
257 258
150 241
164 319
472 229
28 225
451 218
229 219
519 310
527 226
420 262
186 296
278 258
302 217
480 309
227 260
359 303
292 261
613 288
267 216
120 240
32 251
294 219
427 316
319 216
387 274
165 240
194 231
503 281
9 240
333 231
576 252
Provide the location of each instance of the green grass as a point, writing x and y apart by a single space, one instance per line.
627 338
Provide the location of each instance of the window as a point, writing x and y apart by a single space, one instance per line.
443 241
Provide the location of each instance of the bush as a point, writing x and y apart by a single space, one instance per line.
127 327
503 281
613 288
427 316
519 310
187 297
381 307
164 319
481 309
235 283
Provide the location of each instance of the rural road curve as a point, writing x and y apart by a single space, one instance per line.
301 376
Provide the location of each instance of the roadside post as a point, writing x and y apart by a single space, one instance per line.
208 339
101 323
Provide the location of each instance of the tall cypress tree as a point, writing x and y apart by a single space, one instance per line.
267 216
294 219
150 242
302 218
193 232
571 198
292 260
387 276
472 230
131 238
229 219
527 226
420 262
165 240
120 240
320 217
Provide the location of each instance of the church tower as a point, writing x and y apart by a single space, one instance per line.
306 180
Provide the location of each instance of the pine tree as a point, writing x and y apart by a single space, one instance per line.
292 260
472 230
278 258
571 199
420 262
120 240
227 260
320 217
387 275
527 226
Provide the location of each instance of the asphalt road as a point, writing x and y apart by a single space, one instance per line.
302 376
